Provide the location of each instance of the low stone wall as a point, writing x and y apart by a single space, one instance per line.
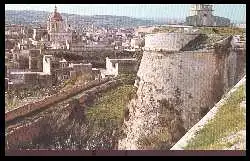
25 133
93 91
33 106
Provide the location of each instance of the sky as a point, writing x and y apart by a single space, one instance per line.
156 11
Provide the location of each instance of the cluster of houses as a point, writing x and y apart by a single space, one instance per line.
54 70
27 65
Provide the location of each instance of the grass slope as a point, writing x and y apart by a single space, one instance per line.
229 119
109 108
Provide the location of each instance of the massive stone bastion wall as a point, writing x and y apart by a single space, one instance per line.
168 41
175 90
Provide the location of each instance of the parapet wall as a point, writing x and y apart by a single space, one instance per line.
167 41
43 103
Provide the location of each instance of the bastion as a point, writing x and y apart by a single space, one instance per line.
168 41
176 89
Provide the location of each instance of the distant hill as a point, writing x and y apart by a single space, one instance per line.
40 17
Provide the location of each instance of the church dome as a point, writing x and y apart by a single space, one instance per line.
55 16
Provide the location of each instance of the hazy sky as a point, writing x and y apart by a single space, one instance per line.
231 11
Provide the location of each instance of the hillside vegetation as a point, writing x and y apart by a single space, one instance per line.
223 31
95 126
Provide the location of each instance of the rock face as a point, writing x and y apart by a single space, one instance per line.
175 90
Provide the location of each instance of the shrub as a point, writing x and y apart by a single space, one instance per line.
156 141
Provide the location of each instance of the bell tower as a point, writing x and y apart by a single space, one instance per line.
204 12
58 32
55 22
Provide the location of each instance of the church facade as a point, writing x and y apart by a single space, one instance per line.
202 15
59 32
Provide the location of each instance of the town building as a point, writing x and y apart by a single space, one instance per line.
53 71
137 43
114 67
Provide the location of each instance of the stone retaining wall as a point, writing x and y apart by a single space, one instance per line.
28 131
23 133
33 106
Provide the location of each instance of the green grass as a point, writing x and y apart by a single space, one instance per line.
69 83
10 103
157 141
228 119
223 31
109 108
105 117
164 29
14 98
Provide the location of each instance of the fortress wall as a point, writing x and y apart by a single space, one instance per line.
240 63
201 78
190 82
167 41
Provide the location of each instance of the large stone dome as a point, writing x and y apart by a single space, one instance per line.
55 16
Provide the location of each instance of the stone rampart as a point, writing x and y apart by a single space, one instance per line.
187 84
43 103
167 41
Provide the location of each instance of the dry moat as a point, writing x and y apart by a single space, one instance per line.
96 124
175 86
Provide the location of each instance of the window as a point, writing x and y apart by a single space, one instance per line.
65 76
